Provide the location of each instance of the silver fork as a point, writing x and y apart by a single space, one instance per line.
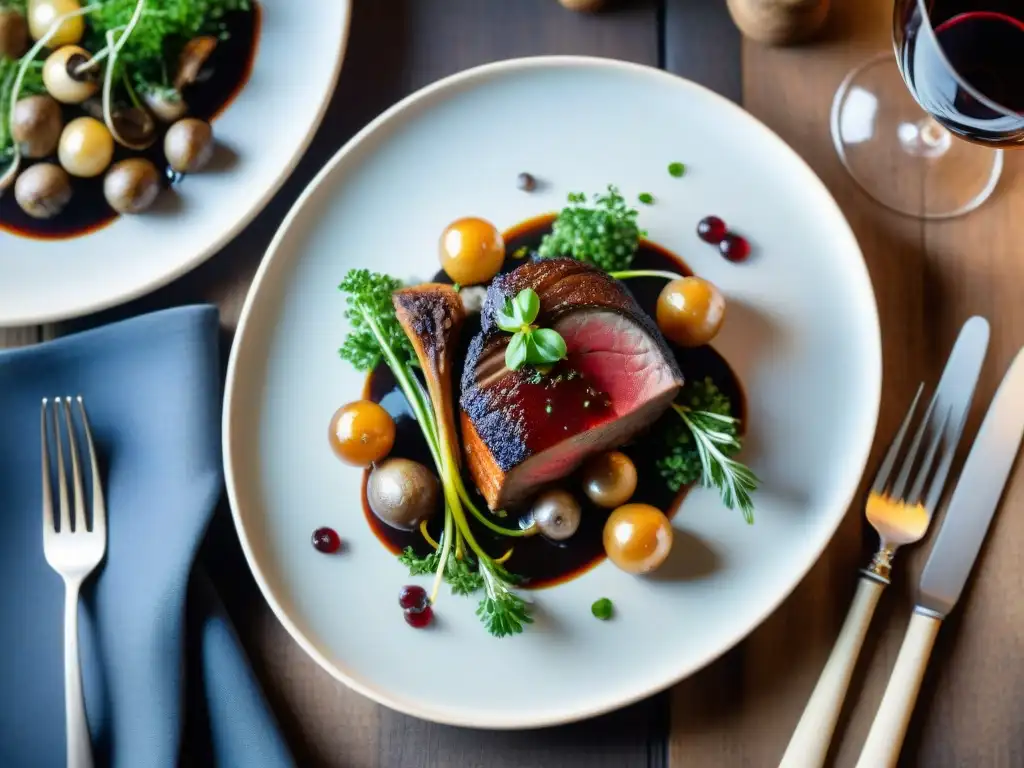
900 510
73 550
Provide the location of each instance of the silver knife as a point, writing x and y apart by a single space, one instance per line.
970 510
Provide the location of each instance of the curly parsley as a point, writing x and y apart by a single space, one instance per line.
603 233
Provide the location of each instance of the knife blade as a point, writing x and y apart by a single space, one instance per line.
976 496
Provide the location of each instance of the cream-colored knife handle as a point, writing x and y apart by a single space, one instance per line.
809 744
885 739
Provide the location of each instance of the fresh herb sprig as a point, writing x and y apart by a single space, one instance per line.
376 335
160 35
529 344
702 444
603 233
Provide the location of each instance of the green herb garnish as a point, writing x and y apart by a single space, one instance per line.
376 335
604 233
701 445
602 609
676 169
529 344
646 198
150 55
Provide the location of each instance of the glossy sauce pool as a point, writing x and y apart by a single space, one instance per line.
230 66
539 561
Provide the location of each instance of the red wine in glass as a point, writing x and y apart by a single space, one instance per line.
964 62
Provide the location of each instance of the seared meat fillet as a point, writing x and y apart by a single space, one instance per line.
522 430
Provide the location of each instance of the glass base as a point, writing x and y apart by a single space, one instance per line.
901 156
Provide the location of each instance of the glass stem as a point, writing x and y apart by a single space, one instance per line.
925 138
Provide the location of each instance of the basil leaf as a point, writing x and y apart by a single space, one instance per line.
515 352
528 304
546 346
507 319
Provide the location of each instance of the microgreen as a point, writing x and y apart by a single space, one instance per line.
529 344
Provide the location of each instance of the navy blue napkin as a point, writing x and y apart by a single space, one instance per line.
152 388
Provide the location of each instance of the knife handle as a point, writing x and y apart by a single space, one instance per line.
809 744
885 739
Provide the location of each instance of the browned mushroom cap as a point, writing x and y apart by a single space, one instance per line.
13 34
167 105
43 190
132 186
36 124
188 145
134 128
193 57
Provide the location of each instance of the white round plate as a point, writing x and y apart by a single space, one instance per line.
801 331
265 130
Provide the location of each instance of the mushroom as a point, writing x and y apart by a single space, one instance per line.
556 514
193 56
609 479
63 78
86 147
188 145
133 128
43 190
13 34
402 493
168 104
132 186
36 125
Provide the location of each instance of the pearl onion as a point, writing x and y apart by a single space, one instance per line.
86 147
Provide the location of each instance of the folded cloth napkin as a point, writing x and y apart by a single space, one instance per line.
151 385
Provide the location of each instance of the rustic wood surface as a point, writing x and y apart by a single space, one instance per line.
928 279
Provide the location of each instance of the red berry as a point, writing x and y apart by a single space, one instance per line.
419 619
413 598
734 248
326 540
711 229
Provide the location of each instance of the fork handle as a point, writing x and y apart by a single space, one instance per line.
809 744
79 743
885 739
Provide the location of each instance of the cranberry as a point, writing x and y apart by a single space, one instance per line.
419 619
326 540
711 229
413 598
734 248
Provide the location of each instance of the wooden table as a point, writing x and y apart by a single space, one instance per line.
928 279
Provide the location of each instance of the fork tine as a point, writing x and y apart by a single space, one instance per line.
915 445
79 522
926 464
882 478
47 490
99 506
62 481
939 481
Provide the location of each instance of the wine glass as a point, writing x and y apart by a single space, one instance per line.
963 65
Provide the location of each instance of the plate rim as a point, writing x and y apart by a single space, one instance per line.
524 720
203 255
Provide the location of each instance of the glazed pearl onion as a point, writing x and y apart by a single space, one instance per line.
557 514
86 147
43 13
58 79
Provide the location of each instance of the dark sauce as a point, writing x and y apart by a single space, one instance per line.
226 73
539 561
